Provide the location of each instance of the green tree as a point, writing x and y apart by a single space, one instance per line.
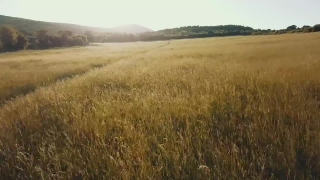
78 41
41 33
60 32
70 42
89 36
56 41
64 39
45 41
11 39
84 38
292 27
22 42
69 33
305 27
316 28
8 37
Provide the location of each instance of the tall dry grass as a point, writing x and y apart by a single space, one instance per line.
218 108
23 72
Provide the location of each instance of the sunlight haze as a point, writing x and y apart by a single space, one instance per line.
156 15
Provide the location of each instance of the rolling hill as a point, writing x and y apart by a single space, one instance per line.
29 26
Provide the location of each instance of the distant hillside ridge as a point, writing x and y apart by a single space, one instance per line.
29 26
206 29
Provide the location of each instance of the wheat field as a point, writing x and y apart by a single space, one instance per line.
214 108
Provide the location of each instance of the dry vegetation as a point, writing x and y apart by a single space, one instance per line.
23 72
218 108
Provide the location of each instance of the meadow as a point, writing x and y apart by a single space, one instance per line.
213 108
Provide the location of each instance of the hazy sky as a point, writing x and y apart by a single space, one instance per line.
160 14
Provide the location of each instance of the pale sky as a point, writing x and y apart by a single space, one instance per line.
161 14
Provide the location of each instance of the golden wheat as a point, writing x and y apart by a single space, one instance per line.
23 72
216 108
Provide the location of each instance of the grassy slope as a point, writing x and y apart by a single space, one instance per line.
30 26
240 107
33 26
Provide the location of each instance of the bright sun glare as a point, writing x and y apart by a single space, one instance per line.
161 14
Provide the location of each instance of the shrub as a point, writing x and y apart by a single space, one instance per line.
307 30
32 46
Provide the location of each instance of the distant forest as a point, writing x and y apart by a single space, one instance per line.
189 32
12 39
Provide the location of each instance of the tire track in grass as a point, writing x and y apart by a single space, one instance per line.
31 88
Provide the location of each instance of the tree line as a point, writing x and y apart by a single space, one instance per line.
13 40
189 32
